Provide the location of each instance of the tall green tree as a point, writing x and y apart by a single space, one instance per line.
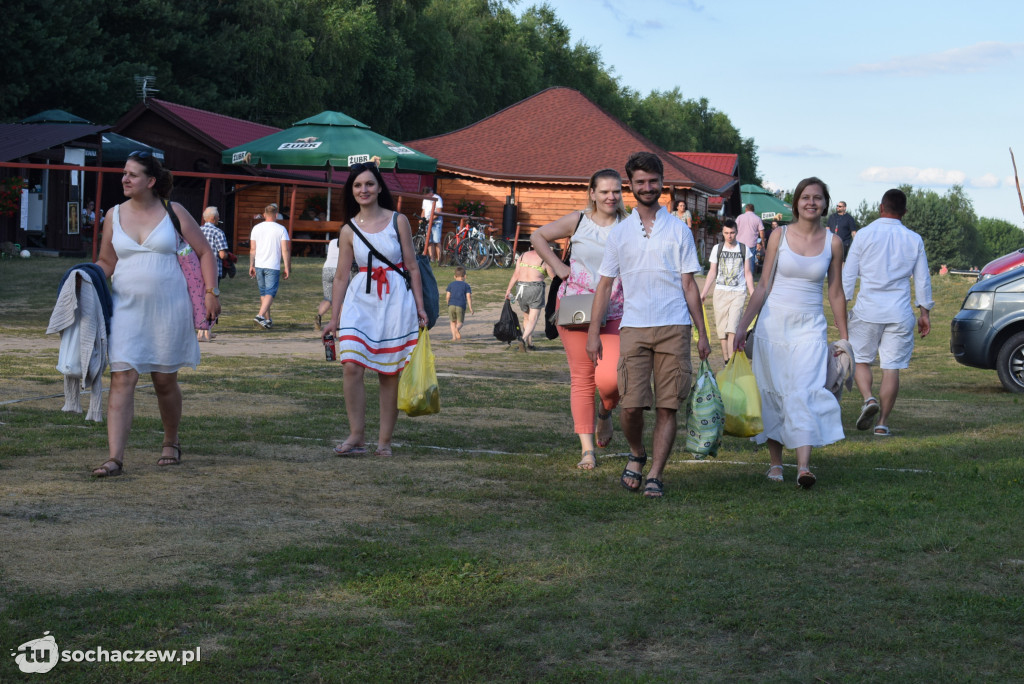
693 126
947 224
410 68
999 237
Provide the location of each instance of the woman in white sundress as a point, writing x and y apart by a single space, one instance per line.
791 341
151 329
378 311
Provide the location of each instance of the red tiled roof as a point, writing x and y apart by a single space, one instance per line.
227 131
555 136
722 162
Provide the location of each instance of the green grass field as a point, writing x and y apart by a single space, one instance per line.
479 553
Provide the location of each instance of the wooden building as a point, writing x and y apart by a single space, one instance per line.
539 154
52 206
193 140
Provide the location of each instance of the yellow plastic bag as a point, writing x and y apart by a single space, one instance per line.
696 333
418 394
740 397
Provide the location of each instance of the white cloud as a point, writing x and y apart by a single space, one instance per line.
912 175
989 180
801 151
956 61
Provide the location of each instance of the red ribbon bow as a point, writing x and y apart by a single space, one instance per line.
380 274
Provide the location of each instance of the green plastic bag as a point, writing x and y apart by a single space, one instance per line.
741 398
418 393
705 415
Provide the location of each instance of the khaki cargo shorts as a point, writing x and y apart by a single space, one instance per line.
661 353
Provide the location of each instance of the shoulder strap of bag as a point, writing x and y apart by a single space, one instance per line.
375 253
721 253
568 247
174 218
775 264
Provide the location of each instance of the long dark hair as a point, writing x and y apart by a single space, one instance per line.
153 167
384 199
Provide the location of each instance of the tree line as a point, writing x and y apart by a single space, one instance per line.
408 68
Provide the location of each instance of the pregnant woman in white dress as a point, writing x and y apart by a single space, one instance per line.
152 329
791 343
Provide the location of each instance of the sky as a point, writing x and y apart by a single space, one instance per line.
866 96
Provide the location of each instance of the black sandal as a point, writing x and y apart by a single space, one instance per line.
106 471
654 489
628 474
170 460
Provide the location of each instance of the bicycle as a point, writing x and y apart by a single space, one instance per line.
474 246
490 249
419 240
465 248
503 254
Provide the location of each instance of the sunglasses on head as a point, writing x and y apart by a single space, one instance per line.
141 154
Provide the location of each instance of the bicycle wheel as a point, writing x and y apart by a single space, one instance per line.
418 243
502 253
473 254
448 256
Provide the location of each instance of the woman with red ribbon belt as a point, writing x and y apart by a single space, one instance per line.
378 311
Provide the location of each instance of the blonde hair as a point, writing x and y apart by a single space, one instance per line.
620 210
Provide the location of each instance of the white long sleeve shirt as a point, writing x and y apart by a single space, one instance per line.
884 255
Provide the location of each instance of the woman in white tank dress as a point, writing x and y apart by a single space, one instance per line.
791 345
376 314
152 329
588 230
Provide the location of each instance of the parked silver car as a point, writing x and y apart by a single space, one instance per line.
988 331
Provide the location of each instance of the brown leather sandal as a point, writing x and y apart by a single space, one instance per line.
170 460
109 468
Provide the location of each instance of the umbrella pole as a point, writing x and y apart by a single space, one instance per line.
330 173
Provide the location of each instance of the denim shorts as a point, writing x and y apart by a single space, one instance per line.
435 231
267 280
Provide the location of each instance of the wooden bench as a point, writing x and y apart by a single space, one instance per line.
320 232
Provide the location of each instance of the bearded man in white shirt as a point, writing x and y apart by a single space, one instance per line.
885 255
654 254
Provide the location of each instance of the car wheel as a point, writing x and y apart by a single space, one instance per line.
1010 363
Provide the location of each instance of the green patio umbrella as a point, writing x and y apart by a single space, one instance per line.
328 140
766 205
116 148
54 116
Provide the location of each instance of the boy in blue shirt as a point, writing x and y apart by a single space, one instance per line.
458 295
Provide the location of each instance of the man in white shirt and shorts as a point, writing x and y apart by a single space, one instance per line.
268 249
654 254
732 279
885 255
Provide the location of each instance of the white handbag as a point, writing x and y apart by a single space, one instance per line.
574 311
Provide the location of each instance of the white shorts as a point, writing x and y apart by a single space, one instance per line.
892 342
